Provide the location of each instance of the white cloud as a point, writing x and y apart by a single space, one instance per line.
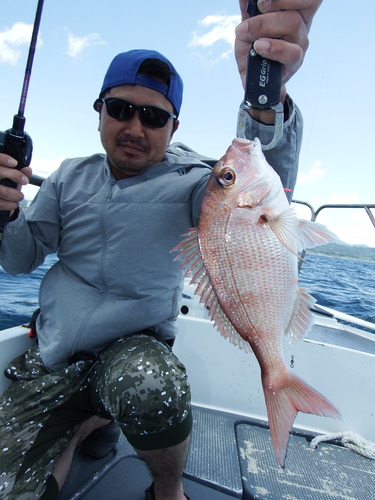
315 174
77 44
221 29
13 40
214 29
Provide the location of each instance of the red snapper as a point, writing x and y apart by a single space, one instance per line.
243 257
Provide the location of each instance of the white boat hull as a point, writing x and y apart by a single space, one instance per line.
224 377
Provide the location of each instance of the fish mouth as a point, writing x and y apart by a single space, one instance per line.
244 145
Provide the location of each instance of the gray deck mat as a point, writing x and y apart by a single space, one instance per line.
212 469
128 479
232 457
329 472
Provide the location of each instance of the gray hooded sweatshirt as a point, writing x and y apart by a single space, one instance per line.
115 274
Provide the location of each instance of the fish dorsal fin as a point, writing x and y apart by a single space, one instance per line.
302 318
221 321
191 259
298 234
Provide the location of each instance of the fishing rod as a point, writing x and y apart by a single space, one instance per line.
15 141
263 86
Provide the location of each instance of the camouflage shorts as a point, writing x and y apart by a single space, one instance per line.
137 381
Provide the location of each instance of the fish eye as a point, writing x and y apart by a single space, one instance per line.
226 177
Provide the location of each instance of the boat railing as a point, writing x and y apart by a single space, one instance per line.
314 214
37 180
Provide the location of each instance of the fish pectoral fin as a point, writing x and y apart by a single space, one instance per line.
298 234
285 228
312 234
301 319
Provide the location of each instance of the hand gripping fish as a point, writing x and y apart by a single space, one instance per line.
243 257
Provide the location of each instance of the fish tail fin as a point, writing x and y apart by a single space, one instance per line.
284 400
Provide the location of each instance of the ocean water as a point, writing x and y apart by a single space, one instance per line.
342 284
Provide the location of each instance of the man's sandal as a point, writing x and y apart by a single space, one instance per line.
149 493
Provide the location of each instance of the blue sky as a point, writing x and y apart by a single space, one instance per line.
78 38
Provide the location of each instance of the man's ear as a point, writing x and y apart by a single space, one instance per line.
176 124
99 109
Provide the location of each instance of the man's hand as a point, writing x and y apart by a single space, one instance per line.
280 34
9 197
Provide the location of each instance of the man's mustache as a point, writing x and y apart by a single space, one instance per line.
123 140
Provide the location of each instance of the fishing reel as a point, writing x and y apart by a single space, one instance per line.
17 144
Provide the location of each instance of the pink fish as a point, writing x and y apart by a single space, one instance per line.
243 257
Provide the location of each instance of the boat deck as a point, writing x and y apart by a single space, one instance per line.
232 457
231 454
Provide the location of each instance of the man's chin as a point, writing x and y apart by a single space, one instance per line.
121 169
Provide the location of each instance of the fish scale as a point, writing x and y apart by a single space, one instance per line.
260 285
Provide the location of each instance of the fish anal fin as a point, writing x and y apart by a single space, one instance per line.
301 319
284 400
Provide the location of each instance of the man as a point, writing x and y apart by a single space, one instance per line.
108 306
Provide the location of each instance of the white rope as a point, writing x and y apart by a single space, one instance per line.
350 440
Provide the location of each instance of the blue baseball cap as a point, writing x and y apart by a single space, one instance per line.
124 70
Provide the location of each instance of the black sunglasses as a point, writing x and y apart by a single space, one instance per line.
123 110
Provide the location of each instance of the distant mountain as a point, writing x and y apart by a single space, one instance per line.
344 251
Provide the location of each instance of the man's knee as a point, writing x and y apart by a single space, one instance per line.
143 386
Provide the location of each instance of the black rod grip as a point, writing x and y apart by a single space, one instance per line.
263 76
